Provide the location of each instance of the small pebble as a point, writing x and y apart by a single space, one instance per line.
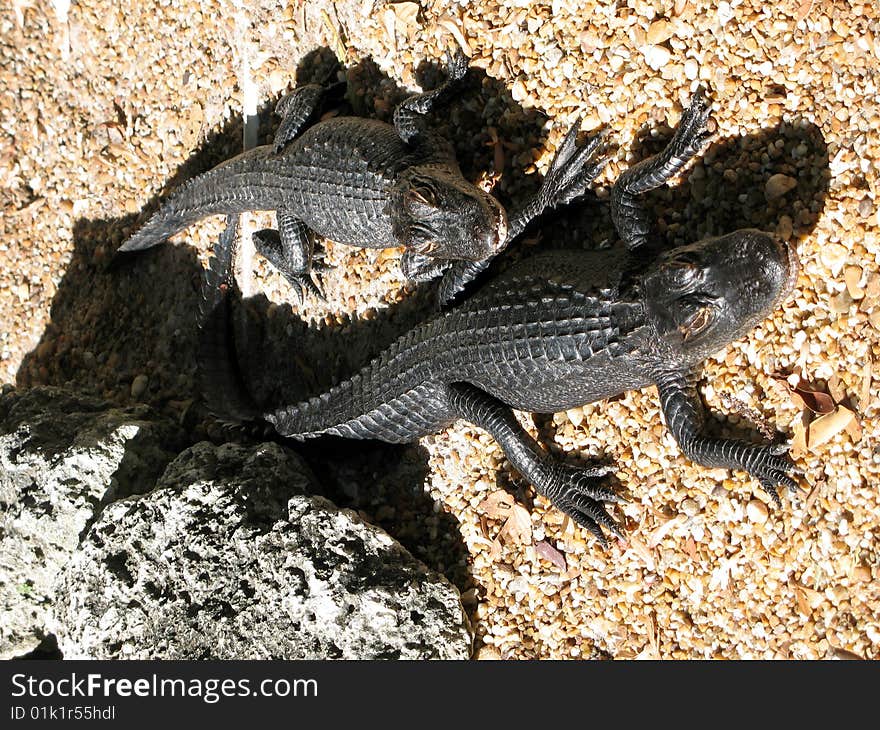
778 185
659 31
757 512
656 56
690 507
834 256
139 386
575 415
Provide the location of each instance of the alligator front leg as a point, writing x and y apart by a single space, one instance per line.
632 221
417 268
574 490
409 115
684 415
567 178
289 249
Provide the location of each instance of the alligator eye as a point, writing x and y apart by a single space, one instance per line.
696 323
421 195
681 274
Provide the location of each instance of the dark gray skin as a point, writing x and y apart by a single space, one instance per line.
556 331
362 182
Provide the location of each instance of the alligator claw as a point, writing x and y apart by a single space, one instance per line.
308 283
320 267
581 498
568 146
567 178
456 63
691 133
772 466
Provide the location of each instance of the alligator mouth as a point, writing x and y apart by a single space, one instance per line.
794 267
493 240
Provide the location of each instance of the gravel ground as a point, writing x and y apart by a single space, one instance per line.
105 105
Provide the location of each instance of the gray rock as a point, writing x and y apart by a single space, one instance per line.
62 457
229 558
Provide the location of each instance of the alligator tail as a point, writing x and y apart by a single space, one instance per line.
219 375
233 186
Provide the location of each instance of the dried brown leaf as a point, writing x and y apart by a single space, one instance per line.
497 505
550 553
518 526
799 440
643 551
335 37
406 12
454 29
825 427
813 495
814 598
390 21
805 396
658 533
690 547
854 429
841 653
495 550
835 389
803 10
802 603
484 526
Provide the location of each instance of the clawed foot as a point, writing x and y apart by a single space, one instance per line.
691 133
580 496
456 63
301 269
307 283
417 268
567 177
772 466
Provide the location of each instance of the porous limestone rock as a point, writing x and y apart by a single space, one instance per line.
230 558
63 457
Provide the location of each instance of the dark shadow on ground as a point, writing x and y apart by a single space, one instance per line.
116 321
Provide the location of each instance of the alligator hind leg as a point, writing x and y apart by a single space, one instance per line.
574 490
289 249
630 219
409 115
567 178
298 107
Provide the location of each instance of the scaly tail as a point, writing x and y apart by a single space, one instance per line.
234 186
164 223
219 375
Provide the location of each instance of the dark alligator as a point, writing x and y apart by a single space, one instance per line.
363 182
555 331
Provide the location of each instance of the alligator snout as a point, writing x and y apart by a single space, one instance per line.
794 264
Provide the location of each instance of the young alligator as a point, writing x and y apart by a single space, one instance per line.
363 182
556 331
